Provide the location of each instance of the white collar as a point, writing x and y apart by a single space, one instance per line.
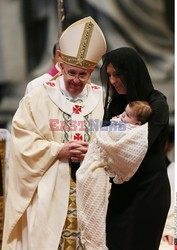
89 104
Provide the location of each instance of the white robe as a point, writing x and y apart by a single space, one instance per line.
41 79
38 191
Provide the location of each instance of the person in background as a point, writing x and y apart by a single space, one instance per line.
137 209
50 136
47 76
167 242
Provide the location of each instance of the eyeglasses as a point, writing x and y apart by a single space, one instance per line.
83 76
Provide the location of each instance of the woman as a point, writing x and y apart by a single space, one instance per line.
138 208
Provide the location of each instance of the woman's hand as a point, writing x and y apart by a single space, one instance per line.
169 239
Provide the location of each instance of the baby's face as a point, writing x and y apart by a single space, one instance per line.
128 116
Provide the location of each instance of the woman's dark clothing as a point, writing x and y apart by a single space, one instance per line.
137 209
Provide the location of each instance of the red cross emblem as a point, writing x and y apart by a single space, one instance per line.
95 87
77 109
78 137
51 84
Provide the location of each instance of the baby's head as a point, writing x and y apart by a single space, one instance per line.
137 113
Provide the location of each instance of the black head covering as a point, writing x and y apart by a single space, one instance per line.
132 67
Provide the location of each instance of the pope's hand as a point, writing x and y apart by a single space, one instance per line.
74 150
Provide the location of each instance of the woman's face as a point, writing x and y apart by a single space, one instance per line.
116 80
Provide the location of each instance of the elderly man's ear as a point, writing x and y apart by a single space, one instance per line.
57 57
58 53
60 62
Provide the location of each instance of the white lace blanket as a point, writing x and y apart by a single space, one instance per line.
113 153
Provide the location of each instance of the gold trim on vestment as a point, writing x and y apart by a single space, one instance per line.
83 49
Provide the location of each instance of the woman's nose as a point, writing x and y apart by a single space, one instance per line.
112 80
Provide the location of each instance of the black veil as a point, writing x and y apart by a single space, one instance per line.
137 80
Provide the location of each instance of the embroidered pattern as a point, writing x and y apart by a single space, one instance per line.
67 119
70 238
75 100
77 109
83 48
51 84
95 87
78 137
87 131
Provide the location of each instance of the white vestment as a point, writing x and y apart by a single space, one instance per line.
38 192
41 79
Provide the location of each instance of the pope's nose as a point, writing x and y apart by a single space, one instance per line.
76 79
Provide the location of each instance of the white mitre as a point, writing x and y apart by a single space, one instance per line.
83 44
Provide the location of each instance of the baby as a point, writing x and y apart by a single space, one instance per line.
136 113
116 152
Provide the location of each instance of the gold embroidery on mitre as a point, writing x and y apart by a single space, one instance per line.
83 48
74 61
84 44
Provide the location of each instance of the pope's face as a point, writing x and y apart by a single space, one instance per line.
75 78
